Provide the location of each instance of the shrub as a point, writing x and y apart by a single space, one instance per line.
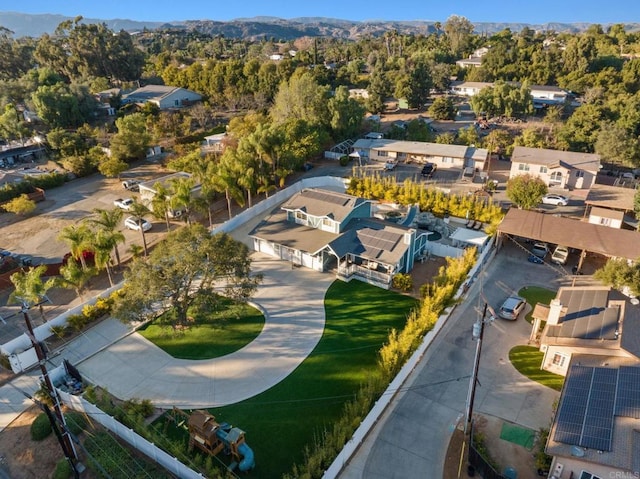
59 331
76 422
48 181
40 427
77 321
4 361
403 282
344 160
136 407
62 470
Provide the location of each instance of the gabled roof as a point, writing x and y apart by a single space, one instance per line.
556 158
422 148
471 84
153 92
323 203
372 239
607 213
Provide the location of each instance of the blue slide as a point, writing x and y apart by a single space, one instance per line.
248 461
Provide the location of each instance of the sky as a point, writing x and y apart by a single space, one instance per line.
521 11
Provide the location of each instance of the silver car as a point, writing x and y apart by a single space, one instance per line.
511 308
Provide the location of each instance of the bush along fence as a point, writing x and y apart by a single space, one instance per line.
397 358
19 351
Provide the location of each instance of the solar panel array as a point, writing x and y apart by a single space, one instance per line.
592 397
377 241
628 397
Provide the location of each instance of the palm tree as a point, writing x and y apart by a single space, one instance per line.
160 203
109 221
29 287
182 196
225 181
103 246
73 275
80 239
138 211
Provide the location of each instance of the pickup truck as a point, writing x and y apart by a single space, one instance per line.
131 185
390 165
124 204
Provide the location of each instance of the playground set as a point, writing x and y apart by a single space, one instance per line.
209 436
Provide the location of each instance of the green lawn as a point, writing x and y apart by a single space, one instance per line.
280 422
212 335
534 295
527 360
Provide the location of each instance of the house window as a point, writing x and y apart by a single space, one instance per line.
605 221
301 216
588 475
383 153
556 177
523 167
543 169
327 222
579 174
559 359
447 160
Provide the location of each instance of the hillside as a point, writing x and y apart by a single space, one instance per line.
259 27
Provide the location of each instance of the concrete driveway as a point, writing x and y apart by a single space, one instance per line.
411 440
294 303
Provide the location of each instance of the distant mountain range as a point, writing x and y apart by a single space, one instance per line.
23 24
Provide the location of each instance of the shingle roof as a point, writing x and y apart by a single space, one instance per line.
323 203
611 197
556 158
423 148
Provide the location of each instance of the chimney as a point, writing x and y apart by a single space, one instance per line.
555 311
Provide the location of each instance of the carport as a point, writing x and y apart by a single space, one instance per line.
573 233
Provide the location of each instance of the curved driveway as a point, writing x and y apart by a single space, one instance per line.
293 300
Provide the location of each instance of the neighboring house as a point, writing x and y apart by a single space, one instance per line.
468 88
445 156
606 217
148 189
215 143
589 320
165 97
276 57
562 169
326 230
474 60
615 200
544 95
595 432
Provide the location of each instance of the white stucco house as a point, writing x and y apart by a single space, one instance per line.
164 97
561 169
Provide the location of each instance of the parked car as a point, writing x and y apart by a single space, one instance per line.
511 308
124 204
534 259
540 250
428 170
390 165
137 225
131 185
553 199
560 255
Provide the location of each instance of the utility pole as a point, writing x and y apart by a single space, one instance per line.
63 437
478 333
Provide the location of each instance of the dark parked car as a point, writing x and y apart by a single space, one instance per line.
428 170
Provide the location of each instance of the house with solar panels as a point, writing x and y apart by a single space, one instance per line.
595 433
330 231
589 320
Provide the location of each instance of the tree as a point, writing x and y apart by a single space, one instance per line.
526 191
185 272
419 84
21 206
60 107
614 144
108 222
79 239
301 98
346 115
378 90
458 31
12 126
75 276
132 139
103 245
182 198
619 274
138 211
442 108
29 287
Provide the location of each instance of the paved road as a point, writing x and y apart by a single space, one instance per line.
410 441
294 303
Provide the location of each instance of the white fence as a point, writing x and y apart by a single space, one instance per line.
21 354
153 452
389 395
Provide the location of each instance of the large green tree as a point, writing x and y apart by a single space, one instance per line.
189 270
301 98
132 139
346 115
526 191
